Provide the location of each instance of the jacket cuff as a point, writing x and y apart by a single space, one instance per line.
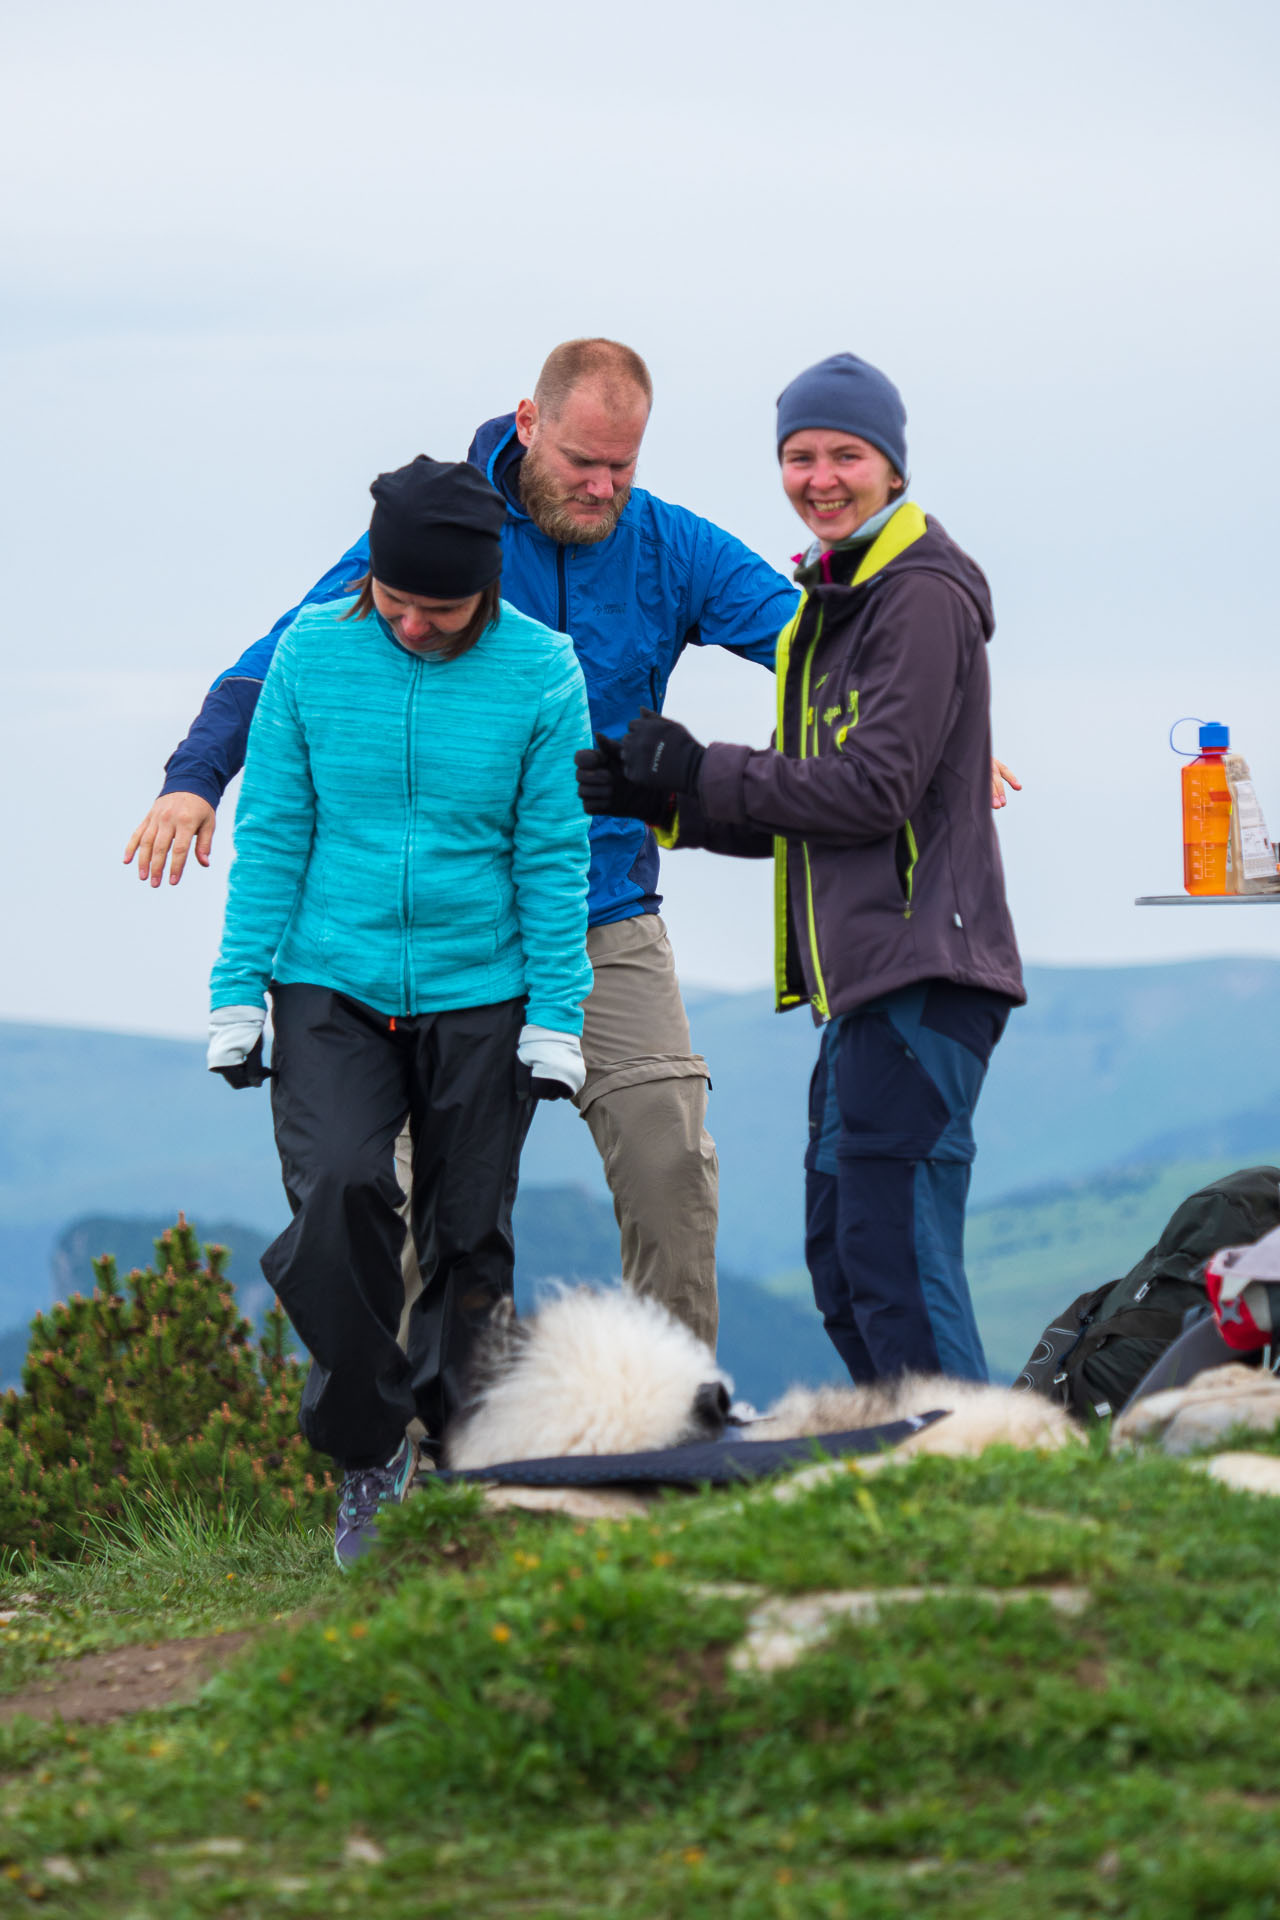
555 1016
193 783
245 994
721 782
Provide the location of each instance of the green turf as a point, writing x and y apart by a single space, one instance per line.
520 1715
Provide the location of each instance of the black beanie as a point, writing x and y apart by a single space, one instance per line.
436 529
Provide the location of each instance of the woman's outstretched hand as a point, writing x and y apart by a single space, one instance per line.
999 774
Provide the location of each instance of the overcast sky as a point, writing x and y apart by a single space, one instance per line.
256 254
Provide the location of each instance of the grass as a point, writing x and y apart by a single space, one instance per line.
509 1714
154 1575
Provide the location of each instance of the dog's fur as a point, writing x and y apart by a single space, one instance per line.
978 1416
589 1372
611 1372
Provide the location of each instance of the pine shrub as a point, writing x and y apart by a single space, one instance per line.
149 1389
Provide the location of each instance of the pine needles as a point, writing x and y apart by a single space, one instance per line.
153 1395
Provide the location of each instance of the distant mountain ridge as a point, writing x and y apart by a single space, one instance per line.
562 1236
1106 1068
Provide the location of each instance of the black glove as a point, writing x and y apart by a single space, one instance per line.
248 1072
661 753
604 788
536 1086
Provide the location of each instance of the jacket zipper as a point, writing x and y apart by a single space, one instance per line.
909 871
406 882
808 720
562 594
784 997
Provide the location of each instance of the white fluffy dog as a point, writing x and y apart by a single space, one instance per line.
608 1371
589 1372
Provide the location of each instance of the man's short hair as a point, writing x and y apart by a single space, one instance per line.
574 361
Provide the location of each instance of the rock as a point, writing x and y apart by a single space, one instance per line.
56 1866
780 1631
1248 1472
1210 1421
1251 1395
580 1503
360 1851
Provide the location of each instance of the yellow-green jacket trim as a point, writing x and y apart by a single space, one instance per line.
907 526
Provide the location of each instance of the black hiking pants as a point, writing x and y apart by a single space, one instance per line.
345 1079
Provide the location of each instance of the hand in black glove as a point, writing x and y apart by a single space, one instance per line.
604 788
248 1072
235 1045
661 753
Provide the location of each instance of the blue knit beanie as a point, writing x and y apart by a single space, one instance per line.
849 396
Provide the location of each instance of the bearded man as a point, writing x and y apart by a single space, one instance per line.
633 580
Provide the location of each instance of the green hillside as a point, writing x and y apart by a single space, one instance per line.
562 1234
1105 1067
1111 1094
1030 1255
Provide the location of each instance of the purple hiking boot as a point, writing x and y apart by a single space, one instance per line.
361 1497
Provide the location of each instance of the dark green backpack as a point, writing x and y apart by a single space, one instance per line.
1091 1357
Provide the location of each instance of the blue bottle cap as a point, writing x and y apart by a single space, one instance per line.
1214 737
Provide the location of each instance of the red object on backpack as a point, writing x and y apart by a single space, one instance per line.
1234 1315
1244 1292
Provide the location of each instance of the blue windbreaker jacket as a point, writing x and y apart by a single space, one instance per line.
663 580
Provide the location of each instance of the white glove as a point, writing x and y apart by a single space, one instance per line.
234 1032
554 1060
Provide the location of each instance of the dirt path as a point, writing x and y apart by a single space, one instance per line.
107 1686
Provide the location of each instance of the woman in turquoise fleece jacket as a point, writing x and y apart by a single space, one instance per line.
410 884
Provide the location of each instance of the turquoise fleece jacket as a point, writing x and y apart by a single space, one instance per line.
409 830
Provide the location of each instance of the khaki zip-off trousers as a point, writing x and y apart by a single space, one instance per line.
645 1101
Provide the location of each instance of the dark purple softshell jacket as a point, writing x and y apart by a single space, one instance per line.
878 793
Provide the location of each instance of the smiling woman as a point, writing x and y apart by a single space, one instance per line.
836 481
891 917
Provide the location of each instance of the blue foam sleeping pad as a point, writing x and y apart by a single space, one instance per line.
707 1463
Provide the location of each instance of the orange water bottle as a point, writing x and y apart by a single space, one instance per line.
1206 814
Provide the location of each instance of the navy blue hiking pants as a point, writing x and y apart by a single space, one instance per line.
887 1176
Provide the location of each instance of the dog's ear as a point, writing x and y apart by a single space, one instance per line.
711 1406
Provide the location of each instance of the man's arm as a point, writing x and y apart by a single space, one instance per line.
199 770
737 600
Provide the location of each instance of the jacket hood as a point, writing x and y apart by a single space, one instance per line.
937 552
495 448
916 542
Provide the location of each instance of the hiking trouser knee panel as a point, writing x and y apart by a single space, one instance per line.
663 1173
635 1027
